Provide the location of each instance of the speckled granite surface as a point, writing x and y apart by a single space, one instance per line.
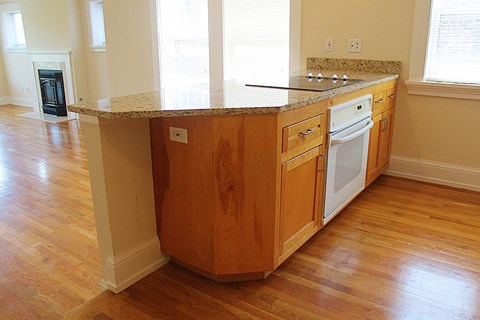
233 98
354 65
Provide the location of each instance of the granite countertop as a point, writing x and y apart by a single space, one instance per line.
232 98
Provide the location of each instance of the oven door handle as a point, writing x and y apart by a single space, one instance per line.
353 135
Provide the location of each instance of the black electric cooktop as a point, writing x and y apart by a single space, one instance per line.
308 84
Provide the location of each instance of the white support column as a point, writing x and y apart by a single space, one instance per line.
120 167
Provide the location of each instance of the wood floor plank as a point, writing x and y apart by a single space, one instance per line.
401 250
49 258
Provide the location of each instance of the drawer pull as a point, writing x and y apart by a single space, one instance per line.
379 100
306 132
392 96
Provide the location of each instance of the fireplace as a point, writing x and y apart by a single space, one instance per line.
53 92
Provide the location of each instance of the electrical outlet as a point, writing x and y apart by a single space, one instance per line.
178 135
355 45
329 45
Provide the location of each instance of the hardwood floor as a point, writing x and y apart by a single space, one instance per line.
401 250
49 257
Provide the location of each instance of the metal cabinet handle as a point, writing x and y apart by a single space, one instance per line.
384 124
379 100
306 132
392 96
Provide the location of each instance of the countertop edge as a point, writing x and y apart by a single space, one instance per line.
146 114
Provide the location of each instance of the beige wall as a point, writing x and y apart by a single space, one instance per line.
426 128
4 89
96 64
46 25
19 79
132 66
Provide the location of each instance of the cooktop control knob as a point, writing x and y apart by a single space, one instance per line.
309 75
345 77
320 76
334 76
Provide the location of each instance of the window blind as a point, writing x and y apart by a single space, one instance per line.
184 47
256 39
453 53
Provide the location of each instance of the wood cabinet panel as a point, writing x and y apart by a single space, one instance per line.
378 103
372 165
386 131
301 198
303 132
391 98
185 197
244 155
380 144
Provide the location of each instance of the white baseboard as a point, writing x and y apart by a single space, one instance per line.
122 271
436 172
4 101
23 102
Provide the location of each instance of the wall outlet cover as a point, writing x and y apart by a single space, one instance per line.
178 135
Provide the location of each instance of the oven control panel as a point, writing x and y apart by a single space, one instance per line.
350 112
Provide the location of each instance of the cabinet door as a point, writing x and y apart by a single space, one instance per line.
384 144
372 162
301 203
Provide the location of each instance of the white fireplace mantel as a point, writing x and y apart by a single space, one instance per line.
53 60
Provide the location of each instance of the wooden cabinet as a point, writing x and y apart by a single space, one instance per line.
303 179
381 134
243 193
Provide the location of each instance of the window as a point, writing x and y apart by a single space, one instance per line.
256 39
97 25
435 54
184 46
453 53
13 34
204 41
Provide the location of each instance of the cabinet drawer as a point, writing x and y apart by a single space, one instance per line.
378 103
391 98
302 133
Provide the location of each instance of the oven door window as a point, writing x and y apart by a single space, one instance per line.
348 164
346 167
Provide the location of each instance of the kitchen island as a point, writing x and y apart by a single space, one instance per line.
218 202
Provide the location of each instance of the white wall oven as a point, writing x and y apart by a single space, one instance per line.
349 130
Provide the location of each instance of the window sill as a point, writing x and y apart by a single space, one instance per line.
15 49
98 49
433 89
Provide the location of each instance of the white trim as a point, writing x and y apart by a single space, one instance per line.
155 43
295 36
4 101
23 102
421 25
98 48
436 172
443 90
15 49
59 60
125 269
416 84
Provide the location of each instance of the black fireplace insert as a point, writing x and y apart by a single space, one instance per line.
53 92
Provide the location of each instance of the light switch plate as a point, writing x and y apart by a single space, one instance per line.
329 44
178 134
